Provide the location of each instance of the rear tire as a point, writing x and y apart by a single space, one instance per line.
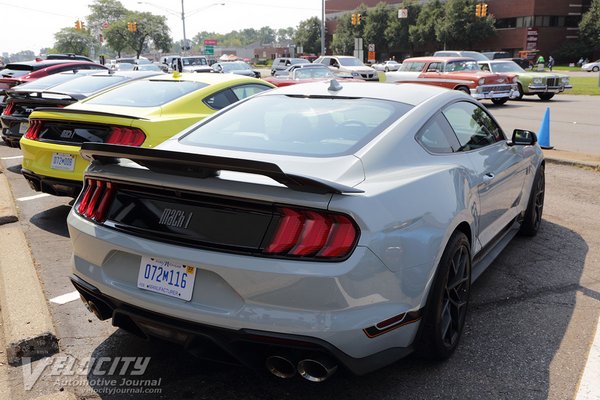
500 101
446 308
535 207
546 96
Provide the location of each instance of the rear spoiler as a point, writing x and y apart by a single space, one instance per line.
203 166
75 111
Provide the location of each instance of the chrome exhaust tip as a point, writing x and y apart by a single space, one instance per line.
316 369
280 366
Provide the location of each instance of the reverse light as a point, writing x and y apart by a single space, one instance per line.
35 127
126 136
310 233
95 199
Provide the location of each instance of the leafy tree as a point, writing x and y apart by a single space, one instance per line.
589 27
343 38
105 12
25 55
266 35
460 24
285 34
71 40
375 26
117 37
423 32
308 35
151 30
397 31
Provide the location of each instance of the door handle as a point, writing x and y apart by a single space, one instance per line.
488 176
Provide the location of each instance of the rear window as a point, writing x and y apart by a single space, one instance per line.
16 70
151 93
46 82
89 84
301 126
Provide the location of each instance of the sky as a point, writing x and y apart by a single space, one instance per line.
31 24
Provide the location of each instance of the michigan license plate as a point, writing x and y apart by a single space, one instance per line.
23 126
63 161
166 277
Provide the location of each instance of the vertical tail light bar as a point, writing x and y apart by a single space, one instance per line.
310 233
9 108
35 127
126 136
95 199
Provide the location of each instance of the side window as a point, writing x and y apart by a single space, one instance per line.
437 136
484 67
244 91
220 99
473 127
433 67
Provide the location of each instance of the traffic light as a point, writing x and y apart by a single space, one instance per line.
353 19
478 9
134 26
78 25
358 19
484 10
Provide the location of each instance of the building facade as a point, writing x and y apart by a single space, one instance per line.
542 25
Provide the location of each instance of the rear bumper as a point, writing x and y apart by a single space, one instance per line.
246 347
53 186
11 139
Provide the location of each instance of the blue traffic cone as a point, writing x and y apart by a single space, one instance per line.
544 131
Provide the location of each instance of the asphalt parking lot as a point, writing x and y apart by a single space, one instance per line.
533 313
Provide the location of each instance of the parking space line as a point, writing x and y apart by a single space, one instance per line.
65 298
11 158
35 196
589 386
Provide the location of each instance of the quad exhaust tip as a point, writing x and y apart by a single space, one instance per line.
281 367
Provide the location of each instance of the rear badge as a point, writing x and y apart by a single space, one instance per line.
175 218
67 134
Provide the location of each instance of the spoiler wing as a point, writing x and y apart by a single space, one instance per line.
203 166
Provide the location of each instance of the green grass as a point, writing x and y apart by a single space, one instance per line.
584 86
565 68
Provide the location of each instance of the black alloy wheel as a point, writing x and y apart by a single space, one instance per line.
535 207
448 300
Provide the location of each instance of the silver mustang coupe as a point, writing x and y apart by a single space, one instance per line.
308 228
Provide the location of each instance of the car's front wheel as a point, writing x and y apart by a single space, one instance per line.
546 96
533 215
500 101
446 308
596 69
521 93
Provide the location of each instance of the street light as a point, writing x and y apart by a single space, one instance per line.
183 14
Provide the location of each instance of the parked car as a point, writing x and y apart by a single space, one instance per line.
350 65
143 113
461 53
148 67
193 64
303 73
235 67
592 66
543 84
492 55
307 228
457 73
26 98
282 63
14 74
386 66
68 56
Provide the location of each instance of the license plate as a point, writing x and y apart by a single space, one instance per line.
166 277
63 161
23 126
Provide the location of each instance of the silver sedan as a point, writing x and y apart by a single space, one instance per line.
307 228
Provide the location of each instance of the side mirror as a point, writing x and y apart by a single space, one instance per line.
522 137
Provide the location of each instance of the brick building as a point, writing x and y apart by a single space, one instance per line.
544 25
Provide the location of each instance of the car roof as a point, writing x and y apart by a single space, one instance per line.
47 63
439 58
208 78
407 93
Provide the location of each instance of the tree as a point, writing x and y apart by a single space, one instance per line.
308 35
150 30
343 38
423 32
460 25
397 31
105 12
71 40
375 26
266 35
589 27
285 34
117 37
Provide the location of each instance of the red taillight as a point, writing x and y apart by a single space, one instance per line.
126 136
95 199
33 132
303 233
9 109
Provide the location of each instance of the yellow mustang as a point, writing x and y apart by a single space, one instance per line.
141 113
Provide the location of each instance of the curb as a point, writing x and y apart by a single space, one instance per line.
572 163
28 327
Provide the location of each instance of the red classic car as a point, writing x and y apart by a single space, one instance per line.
459 73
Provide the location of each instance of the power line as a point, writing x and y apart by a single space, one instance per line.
37 10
